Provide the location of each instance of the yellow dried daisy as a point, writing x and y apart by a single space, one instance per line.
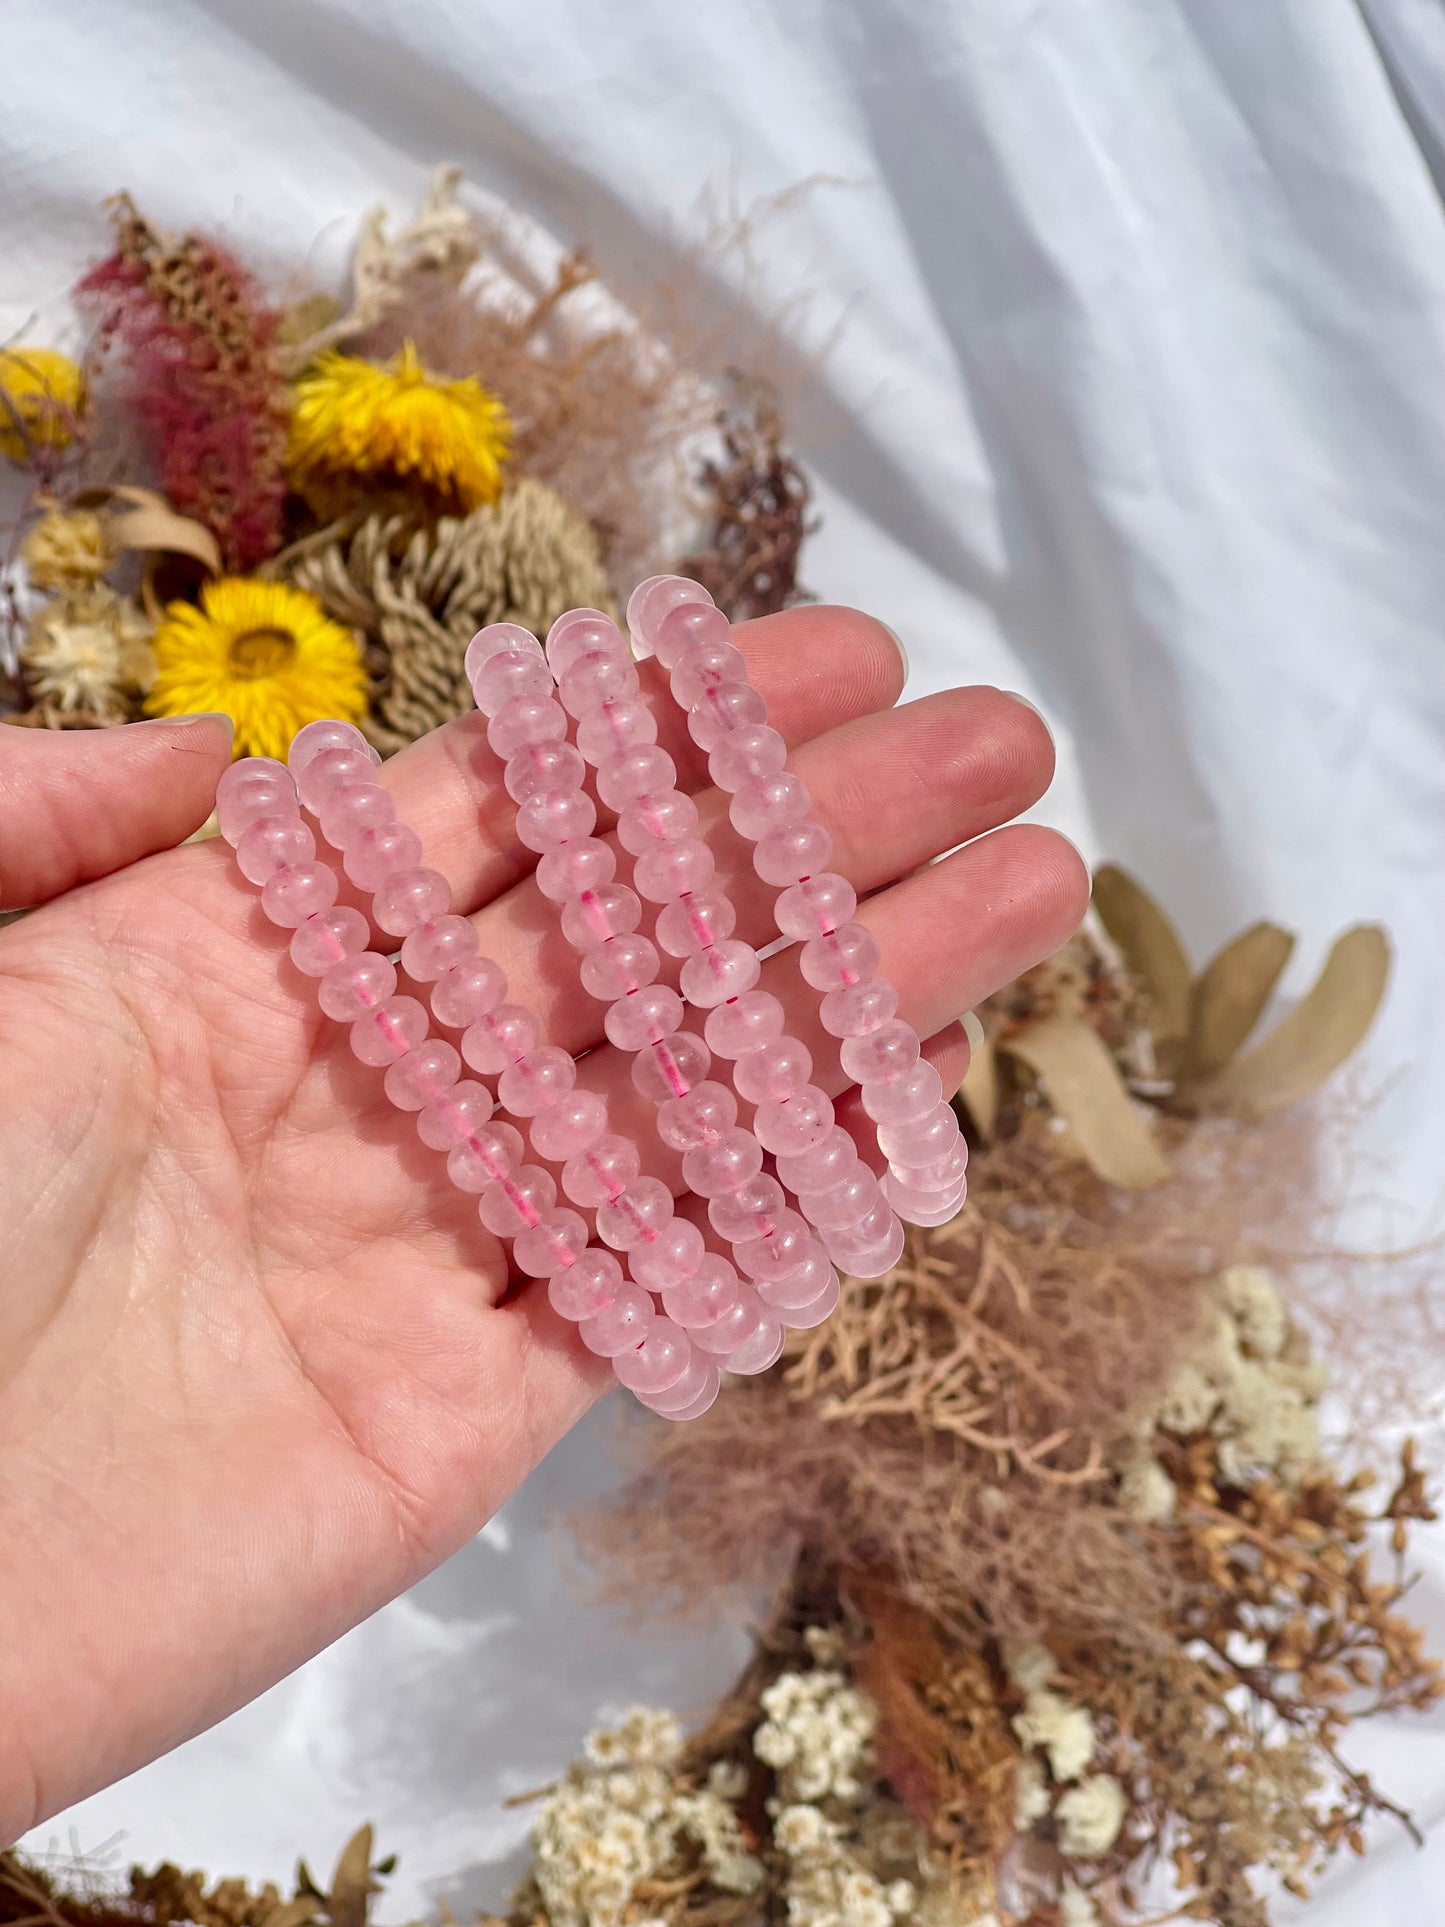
265 654
42 394
355 426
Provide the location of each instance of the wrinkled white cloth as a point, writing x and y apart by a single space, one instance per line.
1136 404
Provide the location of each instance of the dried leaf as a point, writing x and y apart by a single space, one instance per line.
1229 996
352 1885
979 1089
295 1913
143 521
1151 949
1315 1038
1083 1084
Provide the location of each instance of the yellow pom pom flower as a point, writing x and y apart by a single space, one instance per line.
356 426
42 395
265 654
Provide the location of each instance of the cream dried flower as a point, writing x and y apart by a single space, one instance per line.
89 650
67 546
1029 1667
1065 1733
1148 1492
817 1736
1076 1909
1031 1794
1090 1816
1252 1299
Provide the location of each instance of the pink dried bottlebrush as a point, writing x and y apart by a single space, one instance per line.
197 346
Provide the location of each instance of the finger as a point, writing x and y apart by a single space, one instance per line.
79 804
817 667
894 790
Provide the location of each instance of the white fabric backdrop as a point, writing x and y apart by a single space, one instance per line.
1139 407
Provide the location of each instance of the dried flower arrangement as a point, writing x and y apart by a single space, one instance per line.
289 510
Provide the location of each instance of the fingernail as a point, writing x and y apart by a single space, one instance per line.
1014 696
972 1028
184 722
898 645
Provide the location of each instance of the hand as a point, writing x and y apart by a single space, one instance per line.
256 1374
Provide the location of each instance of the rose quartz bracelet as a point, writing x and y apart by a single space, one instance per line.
918 1131
700 1291
719 974
721 1161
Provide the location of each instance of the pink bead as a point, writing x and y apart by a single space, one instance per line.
621 1326
800 1286
408 898
389 1031
744 1023
331 770
693 922
516 1203
485 1156
724 1166
553 1245
437 946
773 1072
309 742
356 985
694 622
273 843
779 1251
816 907
801 1318
301 890
825 1165
846 1203
267 790
728 970
352 808
578 632
671 870
523 720
544 766
609 911
391 850
920 1139
423 1075
652 600
888 1052
847 956
910 1094
760 1352
796 1123
636 1217
447 1120
788 855
731 1328
324 939
751 1211
576 868
536 1080
699 1301
467 991
569 1126
595 676
621 779
865 1232
618 724
925 1207
726 707
589 1286
495 1041
704 1116
643 1017
671 1068
659 1362
768 803
498 638
594 1175
694 1394
746 755
509 673
554 817
676 1253
620 965
875 1261
860 1009
661 816
940 1175
702 666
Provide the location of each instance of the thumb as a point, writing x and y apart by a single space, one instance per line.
78 804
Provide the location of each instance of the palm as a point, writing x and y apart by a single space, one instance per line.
258 1370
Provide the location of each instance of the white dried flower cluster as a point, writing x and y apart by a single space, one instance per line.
619 1818
1090 1816
1063 1733
1090 1812
826 1884
817 1737
1076 1909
